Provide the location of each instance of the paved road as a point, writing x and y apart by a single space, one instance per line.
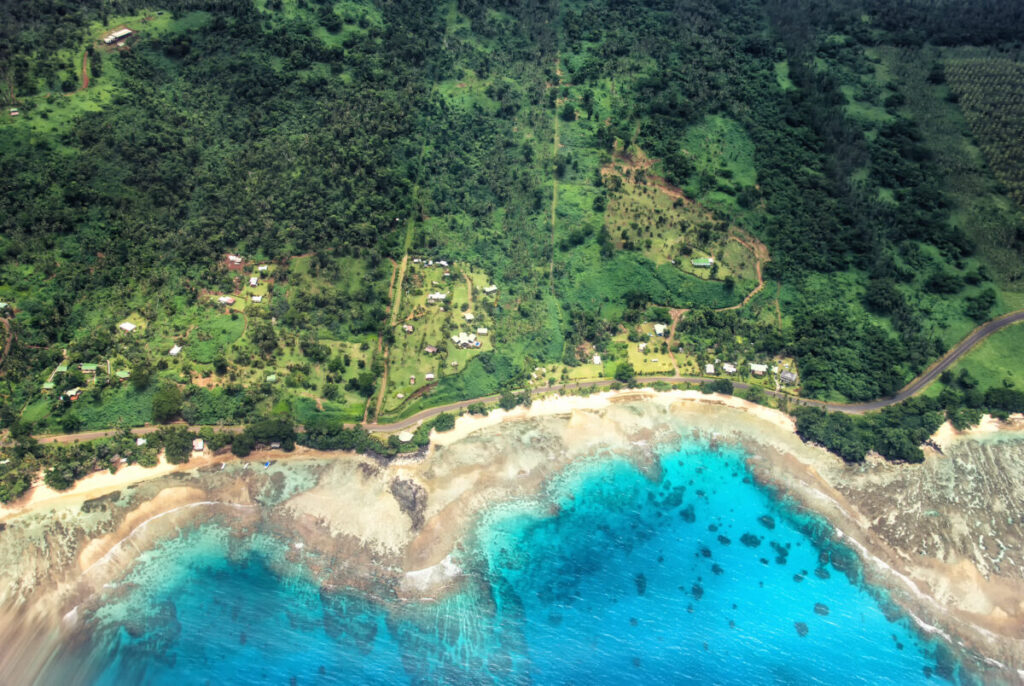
908 391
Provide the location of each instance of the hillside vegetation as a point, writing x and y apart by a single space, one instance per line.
825 188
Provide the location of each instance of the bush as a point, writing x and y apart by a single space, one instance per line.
167 403
444 422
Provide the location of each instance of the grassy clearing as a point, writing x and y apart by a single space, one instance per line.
994 362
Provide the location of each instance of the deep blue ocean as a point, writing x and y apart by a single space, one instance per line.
611 577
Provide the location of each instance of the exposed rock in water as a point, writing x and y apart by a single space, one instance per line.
801 628
412 498
821 609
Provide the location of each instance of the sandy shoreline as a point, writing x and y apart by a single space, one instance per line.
404 520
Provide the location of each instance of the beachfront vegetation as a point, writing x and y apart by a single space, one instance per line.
824 193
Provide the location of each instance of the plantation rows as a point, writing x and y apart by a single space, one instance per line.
991 94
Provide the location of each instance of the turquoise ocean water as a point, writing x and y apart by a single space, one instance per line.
700 576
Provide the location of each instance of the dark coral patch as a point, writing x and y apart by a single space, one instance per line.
750 540
821 609
801 628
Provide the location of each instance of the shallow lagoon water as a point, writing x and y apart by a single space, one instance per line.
698 576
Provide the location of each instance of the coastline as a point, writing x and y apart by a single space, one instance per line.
403 521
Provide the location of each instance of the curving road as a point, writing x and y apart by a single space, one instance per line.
908 391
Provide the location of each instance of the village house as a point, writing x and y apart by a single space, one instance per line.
226 300
88 367
407 328
429 349
469 316
728 368
61 368
127 327
257 298
455 363
406 436
140 441
116 36
72 393
271 378
702 262
442 263
234 260
482 331
465 340
198 445
15 112
758 369
429 377
491 289
641 347
173 352
263 267
660 329
437 297
597 359
412 380
123 375
253 281
49 386
709 369
788 378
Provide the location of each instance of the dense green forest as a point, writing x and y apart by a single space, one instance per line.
596 166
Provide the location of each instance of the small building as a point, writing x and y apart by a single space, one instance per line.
89 367
709 369
702 262
728 368
198 445
226 300
455 363
400 395
490 289
262 268
429 377
14 112
234 259
405 436
758 369
257 298
61 368
482 331
49 386
116 36
641 347
73 393
140 441
469 316
788 378
123 374
127 327
253 281
271 378
437 297
597 359
465 340
429 349
660 330
407 328
412 380
442 263
173 352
